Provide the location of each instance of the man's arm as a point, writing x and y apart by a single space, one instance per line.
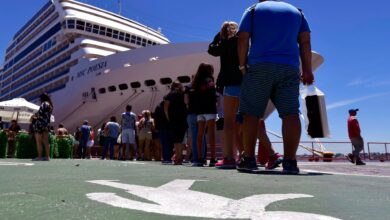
242 49
106 129
166 108
305 53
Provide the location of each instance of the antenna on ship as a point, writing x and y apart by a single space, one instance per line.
120 7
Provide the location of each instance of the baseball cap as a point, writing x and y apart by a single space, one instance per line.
353 110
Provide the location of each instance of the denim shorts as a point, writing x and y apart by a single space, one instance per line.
270 81
233 91
206 117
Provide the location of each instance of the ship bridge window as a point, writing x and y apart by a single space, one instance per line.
121 36
144 42
80 25
102 31
166 81
102 90
96 29
139 40
133 39
127 37
88 27
115 34
184 79
71 24
149 42
135 85
109 32
63 25
111 88
150 82
123 86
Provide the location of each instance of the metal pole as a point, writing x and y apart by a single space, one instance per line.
312 148
387 156
364 152
369 152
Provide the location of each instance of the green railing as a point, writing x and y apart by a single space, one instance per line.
26 148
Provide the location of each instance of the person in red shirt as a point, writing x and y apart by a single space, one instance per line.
355 137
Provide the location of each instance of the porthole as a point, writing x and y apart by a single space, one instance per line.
112 88
150 82
135 85
123 86
184 79
166 81
102 90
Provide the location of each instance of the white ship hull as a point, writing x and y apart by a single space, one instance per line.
76 102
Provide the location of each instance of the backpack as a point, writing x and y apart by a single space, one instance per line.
159 116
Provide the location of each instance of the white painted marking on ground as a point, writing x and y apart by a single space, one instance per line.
15 164
345 174
133 162
176 199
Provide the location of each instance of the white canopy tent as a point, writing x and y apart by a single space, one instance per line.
18 109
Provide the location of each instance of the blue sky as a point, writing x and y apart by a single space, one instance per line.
353 36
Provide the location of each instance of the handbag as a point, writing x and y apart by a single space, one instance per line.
314 112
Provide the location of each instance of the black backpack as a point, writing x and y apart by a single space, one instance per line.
159 116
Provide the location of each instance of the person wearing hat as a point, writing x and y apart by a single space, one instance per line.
355 137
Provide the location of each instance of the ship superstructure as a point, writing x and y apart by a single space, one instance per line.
57 37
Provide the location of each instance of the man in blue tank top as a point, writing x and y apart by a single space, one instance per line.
278 35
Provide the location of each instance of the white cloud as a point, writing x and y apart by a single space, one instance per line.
351 101
379 84
355 82
360 81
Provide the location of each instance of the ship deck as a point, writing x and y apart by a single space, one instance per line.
58 189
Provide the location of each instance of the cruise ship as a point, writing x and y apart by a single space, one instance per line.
94 62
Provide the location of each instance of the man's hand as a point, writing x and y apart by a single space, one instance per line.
243 69
307 78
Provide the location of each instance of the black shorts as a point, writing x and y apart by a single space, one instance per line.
178 135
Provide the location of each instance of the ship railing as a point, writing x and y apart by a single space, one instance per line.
339 148
375 150
371 151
